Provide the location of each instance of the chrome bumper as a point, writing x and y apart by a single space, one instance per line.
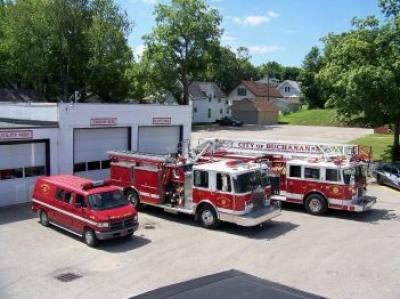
117 233
365 203
252 218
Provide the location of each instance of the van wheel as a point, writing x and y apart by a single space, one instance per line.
316 205
208 217
90 237
44 219
133 197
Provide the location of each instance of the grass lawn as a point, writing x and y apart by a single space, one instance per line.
312 117
379 144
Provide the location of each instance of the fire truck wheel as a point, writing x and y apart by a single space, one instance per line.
208 217
90 237
316 204
133 198
44 219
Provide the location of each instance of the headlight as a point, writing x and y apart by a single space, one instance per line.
248 206
103 224
267 202
135 218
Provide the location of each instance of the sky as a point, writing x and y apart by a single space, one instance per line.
280 30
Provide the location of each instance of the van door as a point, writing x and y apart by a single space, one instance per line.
79 209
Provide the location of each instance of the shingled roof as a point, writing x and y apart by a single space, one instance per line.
261 89
20 95
199 89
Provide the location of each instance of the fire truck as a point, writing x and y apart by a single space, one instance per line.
231 190
316 175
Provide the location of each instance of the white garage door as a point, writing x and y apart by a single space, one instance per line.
20 165
158 140
90 150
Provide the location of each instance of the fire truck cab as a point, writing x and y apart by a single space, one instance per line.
230 191
320 185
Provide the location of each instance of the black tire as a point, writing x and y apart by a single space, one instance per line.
207 217
90 237
316 204
379 179
44 218
133 197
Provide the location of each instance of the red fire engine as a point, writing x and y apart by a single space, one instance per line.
318 175
230 190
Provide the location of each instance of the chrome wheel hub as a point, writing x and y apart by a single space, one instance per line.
315 205
207 217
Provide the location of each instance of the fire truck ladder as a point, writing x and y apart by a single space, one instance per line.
285 148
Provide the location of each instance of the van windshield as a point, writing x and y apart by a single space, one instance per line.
107 200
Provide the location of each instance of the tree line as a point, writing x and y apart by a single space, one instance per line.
57 47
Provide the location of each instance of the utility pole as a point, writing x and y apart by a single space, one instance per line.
268 86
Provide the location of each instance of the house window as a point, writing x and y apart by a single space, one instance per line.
228 111
209 112
219 100
209 99
241 91
227 102
195 109
220 111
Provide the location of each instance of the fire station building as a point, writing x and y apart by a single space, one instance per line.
48 138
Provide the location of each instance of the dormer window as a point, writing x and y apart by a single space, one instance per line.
241 91
209 98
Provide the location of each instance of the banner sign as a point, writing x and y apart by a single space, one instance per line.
16 135
103 122
162 121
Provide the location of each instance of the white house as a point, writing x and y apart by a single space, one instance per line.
290 89
45 139
208 102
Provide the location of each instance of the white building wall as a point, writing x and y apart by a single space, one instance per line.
233 95
292 93
201 106
34 111
80 115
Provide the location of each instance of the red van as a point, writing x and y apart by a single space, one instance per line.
92 210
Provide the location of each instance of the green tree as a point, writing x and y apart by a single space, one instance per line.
271 69
177 48
311 88
290 73
363 69
60 46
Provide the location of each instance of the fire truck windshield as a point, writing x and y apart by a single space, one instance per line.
107 200
247 182
354 174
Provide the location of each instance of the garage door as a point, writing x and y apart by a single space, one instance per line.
159 140
90 150
247 117
20 165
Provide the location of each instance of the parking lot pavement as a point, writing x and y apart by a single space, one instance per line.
281 132
341 255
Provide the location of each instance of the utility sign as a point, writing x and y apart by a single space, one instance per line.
165 121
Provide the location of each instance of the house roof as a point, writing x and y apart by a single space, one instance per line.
261 89
294 84
20 95
199 89
260 103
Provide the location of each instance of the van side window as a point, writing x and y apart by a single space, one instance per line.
80 199
311 173
223 182
200 178
68 197
60 194
332 175
295 171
